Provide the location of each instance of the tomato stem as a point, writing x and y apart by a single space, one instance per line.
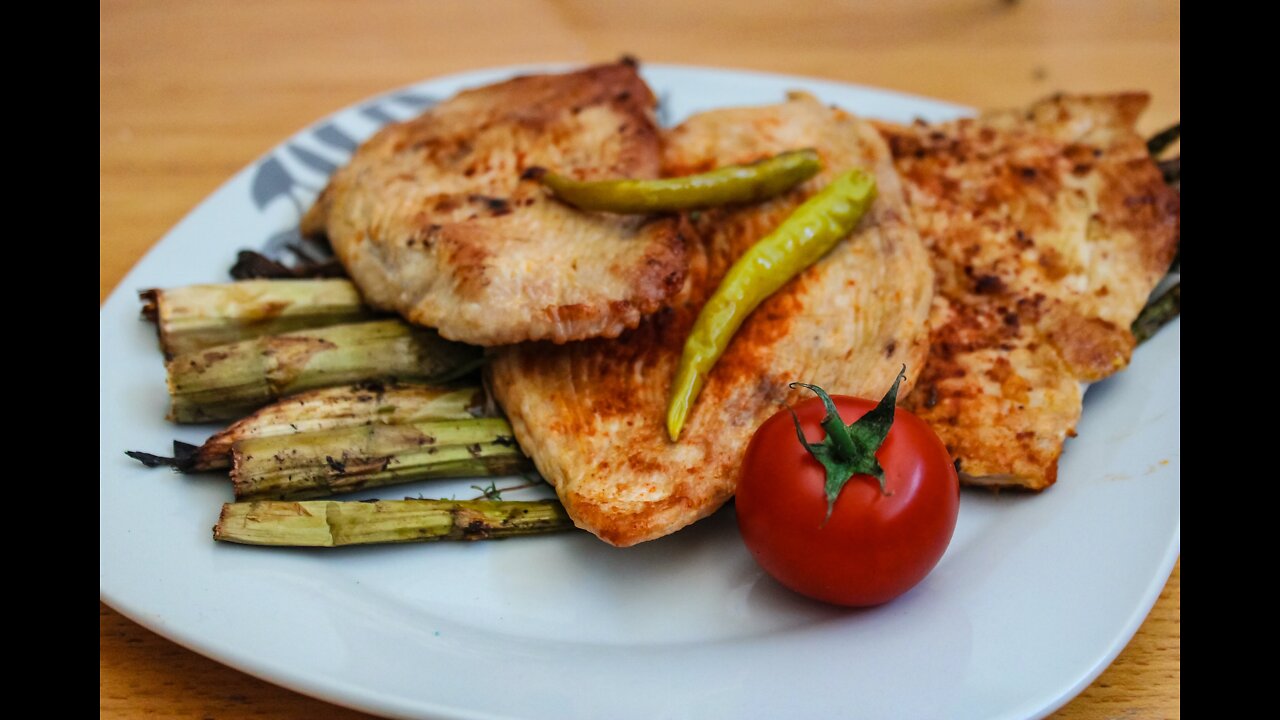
850 450
837 432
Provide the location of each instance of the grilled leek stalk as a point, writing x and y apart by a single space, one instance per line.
1162 140
326 523
327 409
308 465
1159 312
229 381
201 316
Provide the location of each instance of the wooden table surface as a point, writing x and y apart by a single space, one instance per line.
192 92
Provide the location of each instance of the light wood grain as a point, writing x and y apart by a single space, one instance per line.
192 92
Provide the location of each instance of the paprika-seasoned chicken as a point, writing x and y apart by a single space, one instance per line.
432 218
1048 228
591 414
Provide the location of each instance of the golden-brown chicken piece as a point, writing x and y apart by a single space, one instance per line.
432 219
591 414
1048 228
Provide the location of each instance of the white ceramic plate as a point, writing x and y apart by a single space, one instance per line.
1033 599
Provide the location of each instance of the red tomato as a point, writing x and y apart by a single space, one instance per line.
874 547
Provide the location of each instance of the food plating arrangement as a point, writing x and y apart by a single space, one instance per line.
822 323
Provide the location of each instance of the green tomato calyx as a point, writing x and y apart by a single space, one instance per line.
850 450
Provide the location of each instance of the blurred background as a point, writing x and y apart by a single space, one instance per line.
192 92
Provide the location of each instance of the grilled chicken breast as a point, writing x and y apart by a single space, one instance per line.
432 219
591 414
1048 228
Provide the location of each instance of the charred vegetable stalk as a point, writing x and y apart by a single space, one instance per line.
308 465
1162 309
252 265
328 409
201 316
229 381
1158 313
1162 140
1171 169
326 523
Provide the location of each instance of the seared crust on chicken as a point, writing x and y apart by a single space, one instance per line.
1048 228
432 218
591 414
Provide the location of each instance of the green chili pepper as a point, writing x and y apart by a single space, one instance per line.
800 241
723 186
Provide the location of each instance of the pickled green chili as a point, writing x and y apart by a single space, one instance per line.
804 237
722 186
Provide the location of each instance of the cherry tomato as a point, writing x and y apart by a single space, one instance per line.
875 545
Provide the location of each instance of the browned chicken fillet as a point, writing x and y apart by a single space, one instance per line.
1048 228
591 414
432 219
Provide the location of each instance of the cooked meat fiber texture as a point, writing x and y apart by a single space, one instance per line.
1048 228
432 219
590 414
